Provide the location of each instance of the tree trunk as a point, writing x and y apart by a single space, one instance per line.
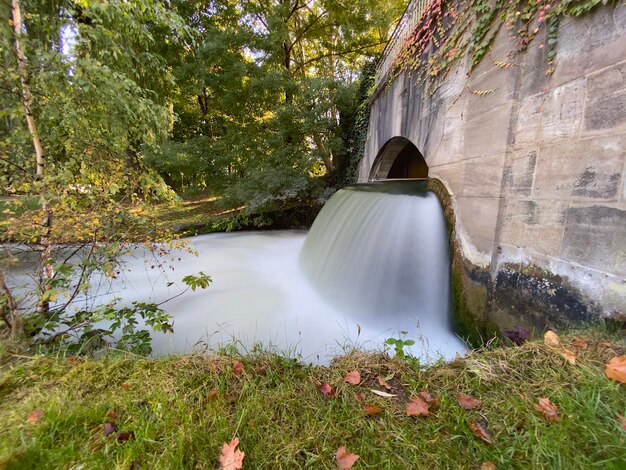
45 246
326 155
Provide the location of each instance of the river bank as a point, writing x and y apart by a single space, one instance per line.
176 412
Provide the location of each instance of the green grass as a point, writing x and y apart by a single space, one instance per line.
181 409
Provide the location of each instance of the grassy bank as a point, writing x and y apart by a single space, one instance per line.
177 412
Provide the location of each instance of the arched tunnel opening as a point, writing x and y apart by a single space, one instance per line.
399 158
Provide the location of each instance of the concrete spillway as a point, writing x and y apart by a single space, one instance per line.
380 252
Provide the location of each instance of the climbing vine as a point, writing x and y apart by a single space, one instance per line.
451 29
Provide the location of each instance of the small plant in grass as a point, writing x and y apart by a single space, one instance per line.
399 344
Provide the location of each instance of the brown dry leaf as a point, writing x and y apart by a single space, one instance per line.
428 398
237 367
345 460
488 466
325 389
35 416
551 338
111 413
549 409
479 431
616 369
467 402
231 458
371 410
605 344
569 356
383 383
212 395
417 407
125 436
126 387
353 377
361 396
580 343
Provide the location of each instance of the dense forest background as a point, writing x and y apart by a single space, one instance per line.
248 100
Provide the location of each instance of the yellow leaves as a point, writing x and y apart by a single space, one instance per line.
550 338
569 356
616 369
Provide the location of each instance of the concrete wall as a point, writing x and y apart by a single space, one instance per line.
536 169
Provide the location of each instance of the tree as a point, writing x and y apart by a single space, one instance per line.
261 93
84 89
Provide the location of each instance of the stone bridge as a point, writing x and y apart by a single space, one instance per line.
532 174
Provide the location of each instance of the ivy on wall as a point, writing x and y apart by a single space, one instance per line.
449 30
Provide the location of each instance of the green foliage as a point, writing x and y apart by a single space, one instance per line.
98 80
260 96
200 280
399 344
355 124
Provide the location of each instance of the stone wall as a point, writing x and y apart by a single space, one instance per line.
535 170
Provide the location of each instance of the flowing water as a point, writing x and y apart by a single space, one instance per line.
373 265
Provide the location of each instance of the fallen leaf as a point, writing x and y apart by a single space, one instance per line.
488 466
382 394
467 402
35 416
111 413
353 377
383 383
569 356
237 367
326 389
616 369
551 338
428 398
231 458
371 410
126 387
361 396
108 428
580 343
479 431
605 344
345 460
417 407
125 436
212 395
548 409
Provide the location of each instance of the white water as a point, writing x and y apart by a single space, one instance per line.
377 264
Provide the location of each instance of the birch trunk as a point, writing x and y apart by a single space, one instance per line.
46 271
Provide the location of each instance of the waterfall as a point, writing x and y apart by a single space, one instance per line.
380 250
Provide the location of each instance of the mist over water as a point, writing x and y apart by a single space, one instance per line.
376 264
